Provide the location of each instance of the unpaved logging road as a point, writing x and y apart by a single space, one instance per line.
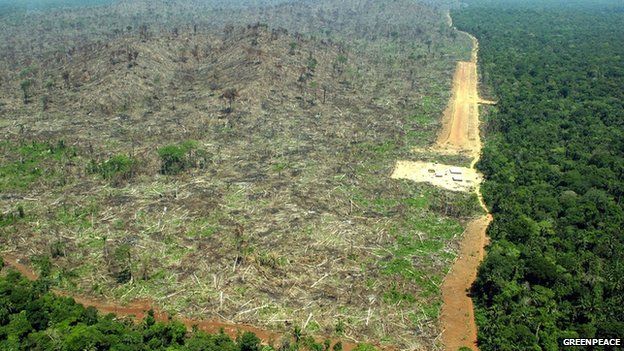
460 133
460 123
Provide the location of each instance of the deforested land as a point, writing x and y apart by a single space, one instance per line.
232 162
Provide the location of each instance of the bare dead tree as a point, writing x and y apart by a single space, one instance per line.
230 95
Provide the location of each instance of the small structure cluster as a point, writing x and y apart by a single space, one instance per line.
445 176
456 174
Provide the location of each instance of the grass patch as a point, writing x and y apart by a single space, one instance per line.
419 247
77 216
176 158
394 296
12 217
24 164
202 228
439 228
118 167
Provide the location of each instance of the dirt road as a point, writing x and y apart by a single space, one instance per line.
460 133
457 317
460 123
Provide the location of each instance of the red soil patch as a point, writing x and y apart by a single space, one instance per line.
457 315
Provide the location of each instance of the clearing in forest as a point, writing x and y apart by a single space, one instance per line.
441 175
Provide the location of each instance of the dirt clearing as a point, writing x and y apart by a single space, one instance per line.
444 176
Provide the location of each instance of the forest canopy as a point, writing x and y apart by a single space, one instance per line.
554 167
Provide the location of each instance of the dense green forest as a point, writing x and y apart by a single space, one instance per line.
554 167
33 318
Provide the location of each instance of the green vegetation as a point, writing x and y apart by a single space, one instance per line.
176 158
554 165
364 347
10 218
33 318
203 228
25 163
119 167
25 86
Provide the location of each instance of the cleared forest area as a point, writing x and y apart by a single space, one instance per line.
234 163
